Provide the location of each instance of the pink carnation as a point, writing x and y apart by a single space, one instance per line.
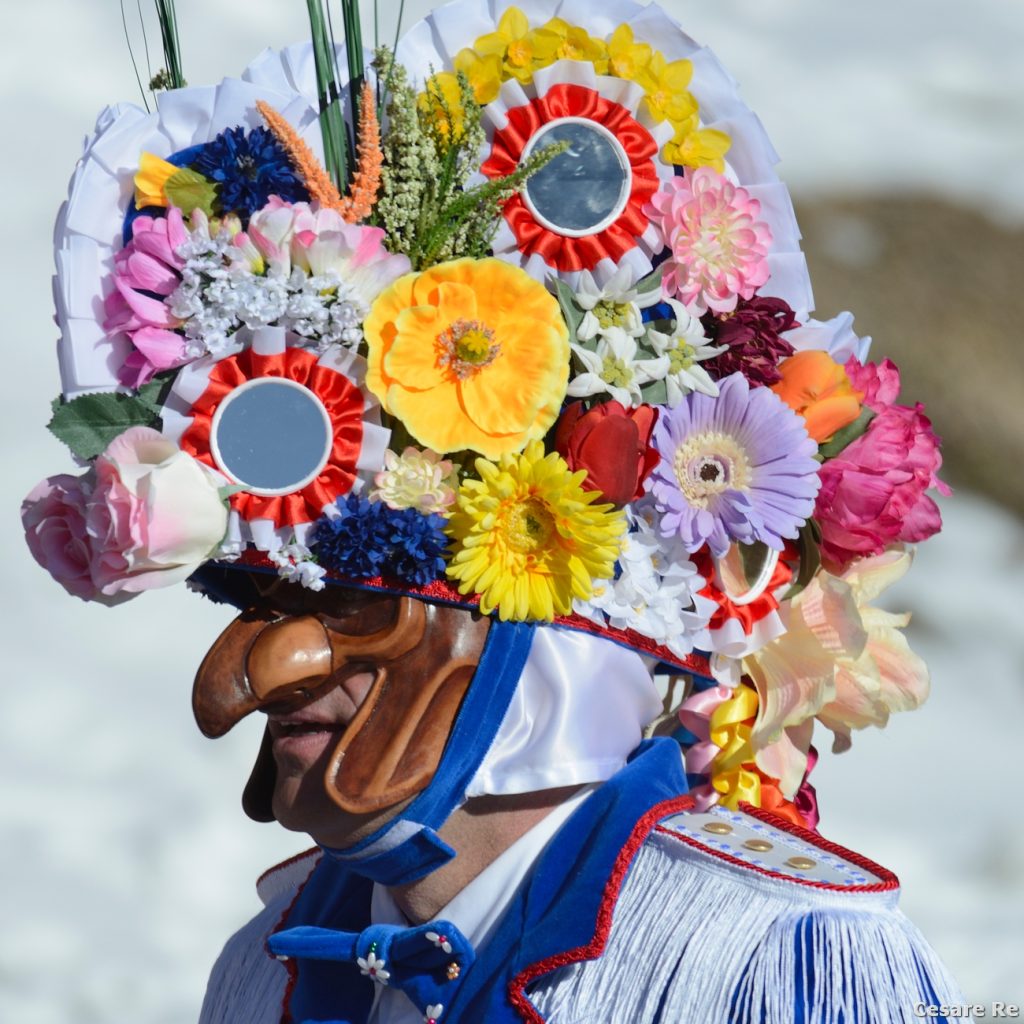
873 494
147 270
718 246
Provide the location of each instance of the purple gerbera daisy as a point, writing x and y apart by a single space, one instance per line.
738 467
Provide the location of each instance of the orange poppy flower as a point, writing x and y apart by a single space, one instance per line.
816 386
469 354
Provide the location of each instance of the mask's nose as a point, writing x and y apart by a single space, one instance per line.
257 661
287 657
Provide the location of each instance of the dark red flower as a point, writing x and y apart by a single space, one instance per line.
752 332
612 444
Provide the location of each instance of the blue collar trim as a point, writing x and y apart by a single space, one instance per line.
490 692
555 910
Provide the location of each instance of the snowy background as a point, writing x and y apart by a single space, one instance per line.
125 858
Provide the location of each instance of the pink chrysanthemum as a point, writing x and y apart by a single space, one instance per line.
718 246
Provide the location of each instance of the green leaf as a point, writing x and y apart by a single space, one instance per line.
189 190
652 281
845 437
655 393
572 313
809 543
89 423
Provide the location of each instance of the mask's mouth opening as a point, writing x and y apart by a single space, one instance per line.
385 743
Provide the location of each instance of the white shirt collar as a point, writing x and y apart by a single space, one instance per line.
477 910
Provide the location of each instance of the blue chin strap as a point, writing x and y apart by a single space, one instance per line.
408 847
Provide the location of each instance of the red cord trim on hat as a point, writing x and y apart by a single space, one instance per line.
610 897
443 592
289 965
889 880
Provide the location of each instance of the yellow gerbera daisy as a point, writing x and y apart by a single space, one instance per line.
469 354
528 538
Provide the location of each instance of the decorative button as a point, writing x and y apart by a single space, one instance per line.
453 971
801 863
758 845
718 828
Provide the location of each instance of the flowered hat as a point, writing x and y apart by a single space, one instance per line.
519 321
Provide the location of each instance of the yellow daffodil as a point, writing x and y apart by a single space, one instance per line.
666 84
150 179
528 539
575 43
469 354
698 147
627 58
483 73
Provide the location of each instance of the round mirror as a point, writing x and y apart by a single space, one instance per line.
745 571
271 436
583 190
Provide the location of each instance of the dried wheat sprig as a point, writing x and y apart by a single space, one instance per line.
362 194
317 181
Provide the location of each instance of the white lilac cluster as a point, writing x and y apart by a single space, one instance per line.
220 292
295 563
656 592
618 354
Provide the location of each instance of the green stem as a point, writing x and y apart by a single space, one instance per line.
332 118
172 44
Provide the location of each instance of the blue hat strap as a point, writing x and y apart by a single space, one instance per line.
409 847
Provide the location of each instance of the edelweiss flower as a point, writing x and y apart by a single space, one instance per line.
372 966
614 305
656 593
612 368
528 539
686 347
738 467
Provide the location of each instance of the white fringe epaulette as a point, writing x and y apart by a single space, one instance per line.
247 985
737 917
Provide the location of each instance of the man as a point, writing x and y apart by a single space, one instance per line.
521 854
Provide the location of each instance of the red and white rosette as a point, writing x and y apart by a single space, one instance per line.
567 92
330 384
433 43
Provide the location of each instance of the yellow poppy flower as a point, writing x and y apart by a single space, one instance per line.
150 179
469 354
528 539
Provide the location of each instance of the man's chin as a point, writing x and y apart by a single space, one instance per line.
314 813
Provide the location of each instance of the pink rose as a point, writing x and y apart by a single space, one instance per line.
873 494
147 515
54 519
154 516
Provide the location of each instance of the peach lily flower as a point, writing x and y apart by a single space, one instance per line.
841 660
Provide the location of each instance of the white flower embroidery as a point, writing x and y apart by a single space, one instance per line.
441 941
433 1013
372 966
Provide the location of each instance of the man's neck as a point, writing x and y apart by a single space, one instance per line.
479 832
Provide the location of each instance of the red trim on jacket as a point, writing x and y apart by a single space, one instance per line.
603 926
888 880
